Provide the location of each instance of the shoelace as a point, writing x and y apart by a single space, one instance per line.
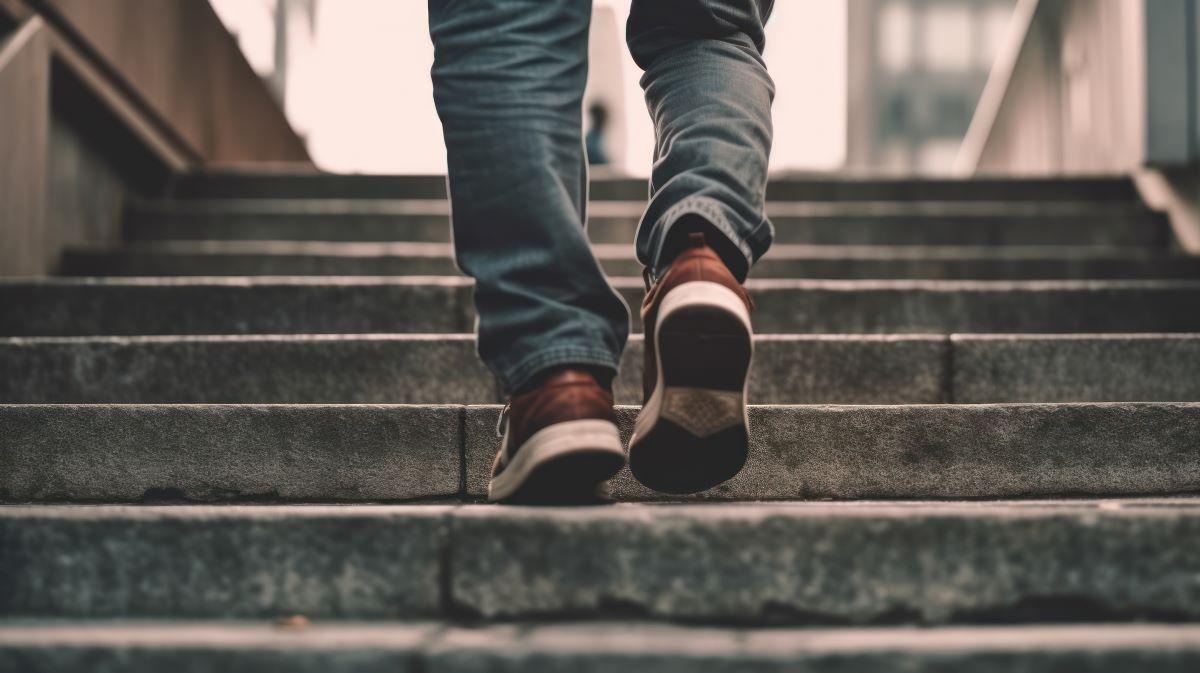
502 422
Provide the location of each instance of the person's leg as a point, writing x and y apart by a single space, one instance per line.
508 78
709 96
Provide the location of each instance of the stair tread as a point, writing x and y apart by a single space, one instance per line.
265 258
342 304
620 282
339 452
921 223
430 368
220 184
814 563
635 208
617 251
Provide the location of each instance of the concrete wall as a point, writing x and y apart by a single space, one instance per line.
26 244
178 58
86 192
100 99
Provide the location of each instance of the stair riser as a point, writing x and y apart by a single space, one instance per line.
1092 229
850 370
193 562
131 454
814 564
747 564
124 263
807 189
390 453
788 370
382 305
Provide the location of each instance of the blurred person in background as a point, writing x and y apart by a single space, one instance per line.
595 138
508 79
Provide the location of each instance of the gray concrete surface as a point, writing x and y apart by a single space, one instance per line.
419 304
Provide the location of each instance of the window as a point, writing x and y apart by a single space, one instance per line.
895 26
946 39
951 113
897 115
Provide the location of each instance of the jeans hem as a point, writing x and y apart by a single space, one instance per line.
516 377
715 213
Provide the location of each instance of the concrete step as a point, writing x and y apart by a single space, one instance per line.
811 187
417 304
810 563
430 369
267 258
438 647
826 223
346 453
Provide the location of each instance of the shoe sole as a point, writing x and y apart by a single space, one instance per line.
565 463
693 434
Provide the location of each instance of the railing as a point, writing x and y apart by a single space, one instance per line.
178 59
1099 87
99 98
26 247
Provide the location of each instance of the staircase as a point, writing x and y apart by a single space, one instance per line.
977 412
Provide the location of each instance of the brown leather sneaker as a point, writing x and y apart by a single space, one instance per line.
692 433
560 442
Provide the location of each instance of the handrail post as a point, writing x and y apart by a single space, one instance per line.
28 247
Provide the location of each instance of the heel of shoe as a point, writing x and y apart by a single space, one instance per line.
693 432
562 464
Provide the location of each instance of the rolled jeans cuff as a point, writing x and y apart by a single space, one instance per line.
527 369
752 245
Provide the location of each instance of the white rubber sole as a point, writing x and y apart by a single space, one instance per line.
692 433
701 411
587 452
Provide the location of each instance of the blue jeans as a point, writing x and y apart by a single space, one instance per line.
508 80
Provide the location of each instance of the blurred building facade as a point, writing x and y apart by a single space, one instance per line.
916 69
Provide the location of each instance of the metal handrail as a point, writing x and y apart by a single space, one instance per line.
987 111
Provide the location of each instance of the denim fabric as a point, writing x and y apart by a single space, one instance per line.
508 80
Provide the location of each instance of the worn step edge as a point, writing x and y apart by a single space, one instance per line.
435 368
798 563
433 647
322 453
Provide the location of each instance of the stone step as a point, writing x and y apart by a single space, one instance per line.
439 647
430 369
272 258
745 564
850 223
417 304
345 453
812 187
